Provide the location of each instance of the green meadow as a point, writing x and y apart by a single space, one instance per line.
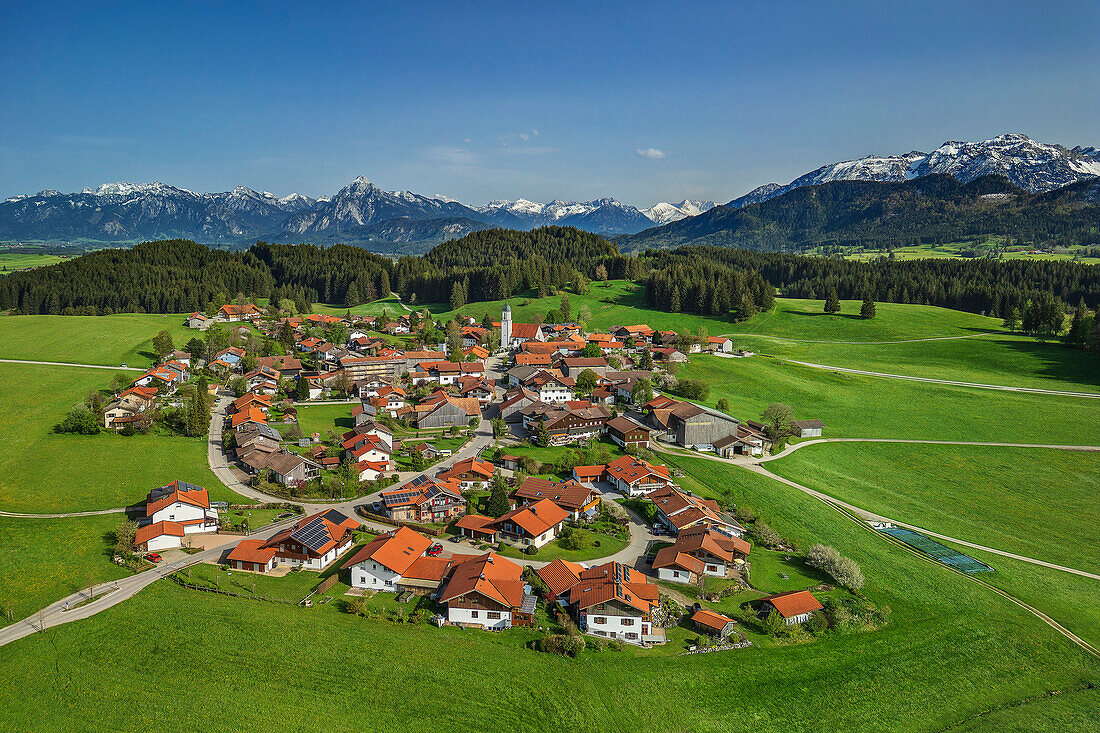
126 338
968 651
853 405
43 472
1035 502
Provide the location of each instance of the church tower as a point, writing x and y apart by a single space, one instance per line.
506 326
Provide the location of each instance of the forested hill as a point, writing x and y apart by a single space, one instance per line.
179 276
932 209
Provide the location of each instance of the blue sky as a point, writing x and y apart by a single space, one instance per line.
640 101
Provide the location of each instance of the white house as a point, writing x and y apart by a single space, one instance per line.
380 564
314 542
181 503
488 591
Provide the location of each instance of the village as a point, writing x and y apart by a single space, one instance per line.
440 497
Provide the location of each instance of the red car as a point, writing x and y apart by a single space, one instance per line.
434 550
153 557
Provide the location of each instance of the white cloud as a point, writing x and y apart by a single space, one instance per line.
651 153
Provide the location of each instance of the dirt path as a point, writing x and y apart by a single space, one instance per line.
863 343
70 364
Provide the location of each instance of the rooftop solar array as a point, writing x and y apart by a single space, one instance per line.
927 545
313 535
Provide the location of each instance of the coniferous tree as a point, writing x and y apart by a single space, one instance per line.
832 302
867 309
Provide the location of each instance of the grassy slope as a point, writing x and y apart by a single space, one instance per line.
872 407
965 648
110 340
43 472
42 560
1039 503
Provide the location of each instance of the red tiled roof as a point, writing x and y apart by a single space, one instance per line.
396 550
560 575
535 518
490 575
252 551
711 620
152 531
793 603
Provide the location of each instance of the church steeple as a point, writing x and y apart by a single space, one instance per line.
506 326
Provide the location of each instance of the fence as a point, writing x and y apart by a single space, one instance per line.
328 582
231 594
381 519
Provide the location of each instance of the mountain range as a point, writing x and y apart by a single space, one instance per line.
359 213
402 221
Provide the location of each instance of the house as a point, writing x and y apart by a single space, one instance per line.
252 556
560 576
517 375
533 524
287 469
720 344
183 504
515 401
487 591
699 551
383 563
669 354
477 527
581 502
468 472
199 321
616 601
572 367
231 312
158 536
807 428
712 623
567 424
588 474
635 476
550 387
424 499
679 511
627 433
795 607
250 415
639 334
690 425
287 366
246 401
534 360
314 542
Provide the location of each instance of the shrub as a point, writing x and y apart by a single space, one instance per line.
765 534
844 570
80 420
530 550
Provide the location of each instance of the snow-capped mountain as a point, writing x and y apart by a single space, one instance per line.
605 215
1033 166
663 213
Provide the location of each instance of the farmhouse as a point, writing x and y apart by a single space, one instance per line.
314 542
424 499
487 591
635 476
627 433
199 321
468 472
795 607
579 501
231 313
699 551
679 511
616 601
532 525
383 562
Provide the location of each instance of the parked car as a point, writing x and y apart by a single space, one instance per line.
434 550
153 557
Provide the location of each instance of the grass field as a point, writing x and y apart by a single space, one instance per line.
42 472
42 560
873 407
1039 503
109 340
967 651
10 261
323 418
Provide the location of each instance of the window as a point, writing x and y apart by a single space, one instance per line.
473 614
712 568
631 635
676 573
627 622
492 614
599 620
